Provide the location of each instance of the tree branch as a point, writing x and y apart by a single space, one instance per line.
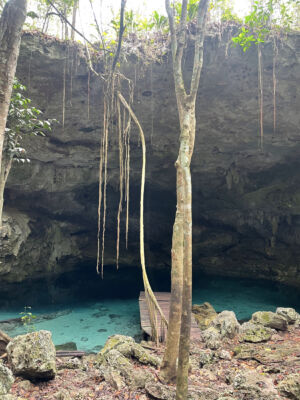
199 40
73 27
170 12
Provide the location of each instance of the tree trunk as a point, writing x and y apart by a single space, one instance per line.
178 340
74 15
11 23
5 170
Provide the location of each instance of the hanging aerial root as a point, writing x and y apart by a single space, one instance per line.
100 189
105 184
261 97
153 306
275 49
121 166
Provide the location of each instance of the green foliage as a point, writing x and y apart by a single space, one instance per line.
27 319
265 16
192 9
23 119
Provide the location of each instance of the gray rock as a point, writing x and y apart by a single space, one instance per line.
33 355
270 320
159 391
62 395
224 355
129 348
205 357
226 324
255 333
112 377
256 384
120 366
212 338
204 314
290 314
290 386
6 379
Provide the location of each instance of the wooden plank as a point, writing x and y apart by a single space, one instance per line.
163 299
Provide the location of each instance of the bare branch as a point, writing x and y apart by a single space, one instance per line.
73 27
170 12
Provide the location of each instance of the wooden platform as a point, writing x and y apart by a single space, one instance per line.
163 299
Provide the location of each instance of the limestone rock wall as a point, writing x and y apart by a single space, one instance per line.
246 203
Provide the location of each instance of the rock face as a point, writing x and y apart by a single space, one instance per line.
243 198
32 356
6 379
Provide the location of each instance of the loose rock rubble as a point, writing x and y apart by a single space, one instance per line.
266 367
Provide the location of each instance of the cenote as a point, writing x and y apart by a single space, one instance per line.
84 309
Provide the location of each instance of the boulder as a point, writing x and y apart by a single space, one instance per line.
270 320
159 391
6 379
117 369
226 324
128 348
290 314
205 357
204 314
255 384
255 333
290 386
212 338
62 395
32 356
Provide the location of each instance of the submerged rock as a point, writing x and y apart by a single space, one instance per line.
33 355
290 314
226 324
6 379
204 314
66 346
290 386
270 320
255 333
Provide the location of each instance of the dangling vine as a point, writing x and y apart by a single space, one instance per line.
260 97
117 116
275 55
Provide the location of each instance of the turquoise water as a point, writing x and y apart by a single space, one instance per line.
88 323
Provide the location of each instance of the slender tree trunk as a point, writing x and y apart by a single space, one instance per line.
178 340
74 15
11 23
168 368
5 170
65 25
